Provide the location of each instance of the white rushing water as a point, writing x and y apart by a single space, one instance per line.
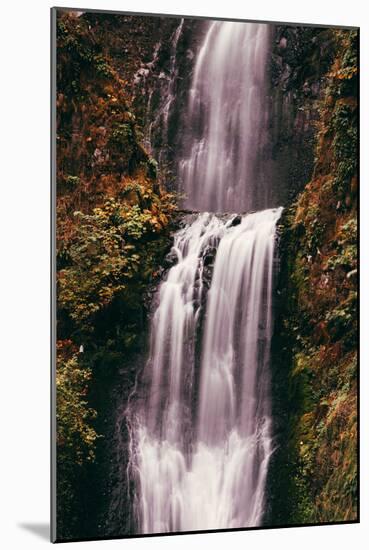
200 444
200 418
225 128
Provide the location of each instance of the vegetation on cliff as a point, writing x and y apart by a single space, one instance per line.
315 356
113 221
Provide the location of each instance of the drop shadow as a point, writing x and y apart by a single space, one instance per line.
42 530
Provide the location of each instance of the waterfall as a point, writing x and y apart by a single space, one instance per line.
225 124
201 445
200 417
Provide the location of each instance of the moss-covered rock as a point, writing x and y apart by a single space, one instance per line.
313 474
114 220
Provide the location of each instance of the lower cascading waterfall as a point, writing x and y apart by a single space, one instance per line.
200 428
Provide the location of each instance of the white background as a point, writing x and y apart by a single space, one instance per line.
24 219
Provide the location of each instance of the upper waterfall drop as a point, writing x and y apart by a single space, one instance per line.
225 124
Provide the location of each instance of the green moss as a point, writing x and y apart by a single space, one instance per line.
314 347
113 227
122 134
72 181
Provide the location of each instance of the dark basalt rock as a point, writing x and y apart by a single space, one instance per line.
236 221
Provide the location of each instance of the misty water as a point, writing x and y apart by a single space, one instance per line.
226 120
201 427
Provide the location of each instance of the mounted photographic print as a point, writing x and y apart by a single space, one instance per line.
204 323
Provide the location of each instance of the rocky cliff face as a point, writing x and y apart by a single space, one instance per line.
161 88
300 58
313 477
113 229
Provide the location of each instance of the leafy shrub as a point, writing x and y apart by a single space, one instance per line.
75 435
